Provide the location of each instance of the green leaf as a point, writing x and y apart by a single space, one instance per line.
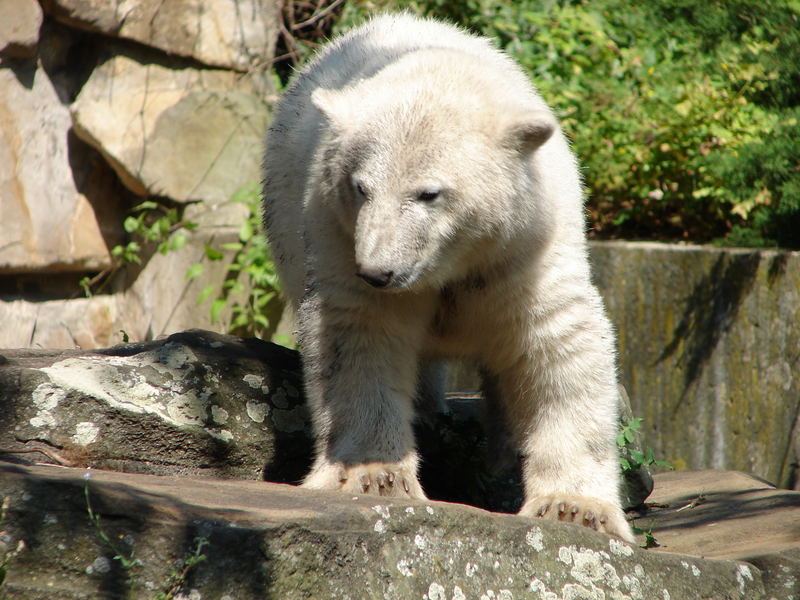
212 253
130 224
205 293
194 271
146 205
216 308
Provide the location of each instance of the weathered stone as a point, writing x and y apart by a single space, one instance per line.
46 224
731 515
271 541
237 34
708 351
20 21
224 407
79 323
194 403
186 134
158 301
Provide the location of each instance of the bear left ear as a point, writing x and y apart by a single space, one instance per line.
530 130
333 104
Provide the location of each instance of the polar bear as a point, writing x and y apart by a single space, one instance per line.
422 204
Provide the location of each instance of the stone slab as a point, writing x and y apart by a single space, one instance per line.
272 541
188 134
20 21
730 515
46 224
236 34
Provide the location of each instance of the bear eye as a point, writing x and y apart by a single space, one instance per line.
429 195
359 188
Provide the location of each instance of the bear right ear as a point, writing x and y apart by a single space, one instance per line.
333 104
530 130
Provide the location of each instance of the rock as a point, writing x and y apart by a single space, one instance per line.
195 403
729 515
206 404
158 299
81 323
20 21
266 540
47 224
184 133
236 34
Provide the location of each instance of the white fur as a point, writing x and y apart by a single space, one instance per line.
410 147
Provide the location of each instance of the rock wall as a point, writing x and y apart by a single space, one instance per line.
104 105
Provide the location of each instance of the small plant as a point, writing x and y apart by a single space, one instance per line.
252 282
649 539
150 223
631 458
11 554
178 577
127 561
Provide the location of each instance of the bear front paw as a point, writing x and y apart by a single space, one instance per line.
379 479
589 512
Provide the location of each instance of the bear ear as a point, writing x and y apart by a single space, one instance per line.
530 130
333 104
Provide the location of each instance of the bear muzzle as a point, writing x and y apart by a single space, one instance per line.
376 277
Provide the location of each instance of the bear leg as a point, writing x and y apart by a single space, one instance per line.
360 374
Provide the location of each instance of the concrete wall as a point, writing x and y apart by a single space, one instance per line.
709 344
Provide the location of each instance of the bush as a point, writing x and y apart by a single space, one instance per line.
684 113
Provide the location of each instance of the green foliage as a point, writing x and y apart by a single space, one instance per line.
630 458
128 561
179 575
251 289
649 539
150 224
684 113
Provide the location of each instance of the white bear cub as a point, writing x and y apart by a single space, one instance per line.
422 204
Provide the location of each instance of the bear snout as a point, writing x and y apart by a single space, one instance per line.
376 277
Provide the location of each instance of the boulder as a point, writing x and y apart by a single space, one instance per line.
195 403
81 323
47 223
205 404
118 535
20 21
185 133
235 34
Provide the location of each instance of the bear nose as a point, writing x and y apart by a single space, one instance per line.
375 277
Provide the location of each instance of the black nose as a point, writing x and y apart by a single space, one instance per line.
374 277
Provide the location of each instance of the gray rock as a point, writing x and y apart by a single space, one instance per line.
195 403
236 34
20 21
266 540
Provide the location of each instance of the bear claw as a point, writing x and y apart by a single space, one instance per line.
589 512
382 479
